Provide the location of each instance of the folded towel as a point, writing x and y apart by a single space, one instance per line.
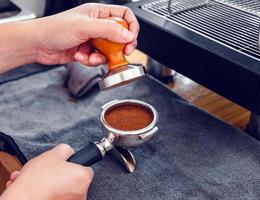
82 79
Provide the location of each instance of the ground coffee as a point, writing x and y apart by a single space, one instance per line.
128 117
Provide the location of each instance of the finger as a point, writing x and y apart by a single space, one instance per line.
83 53
82 58
66 56
107 29
14 175
92 60
8 184
62 151
96 59
125 13
130 48
86 56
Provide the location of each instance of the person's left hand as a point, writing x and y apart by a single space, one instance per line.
64 37
50 176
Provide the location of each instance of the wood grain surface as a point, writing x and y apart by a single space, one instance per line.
8 164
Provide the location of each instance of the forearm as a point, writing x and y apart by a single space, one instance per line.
17 45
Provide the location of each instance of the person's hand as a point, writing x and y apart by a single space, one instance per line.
64 37
13 177
50 177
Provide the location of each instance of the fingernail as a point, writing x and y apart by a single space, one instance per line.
127 35
79 57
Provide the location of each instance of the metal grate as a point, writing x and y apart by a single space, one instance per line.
233 23
251 6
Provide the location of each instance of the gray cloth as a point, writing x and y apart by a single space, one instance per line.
82 79
193 156
23 71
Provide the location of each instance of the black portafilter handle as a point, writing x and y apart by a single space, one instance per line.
87 156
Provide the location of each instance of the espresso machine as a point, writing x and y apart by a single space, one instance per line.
11 11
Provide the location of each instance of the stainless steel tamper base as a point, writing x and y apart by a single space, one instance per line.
122 75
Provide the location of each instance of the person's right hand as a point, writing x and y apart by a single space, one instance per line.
50 177
65 37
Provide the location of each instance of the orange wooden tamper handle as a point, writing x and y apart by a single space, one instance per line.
113 51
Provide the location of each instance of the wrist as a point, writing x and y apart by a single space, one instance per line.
24 36
30 38
17 44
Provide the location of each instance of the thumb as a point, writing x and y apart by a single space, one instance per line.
62 151
108 29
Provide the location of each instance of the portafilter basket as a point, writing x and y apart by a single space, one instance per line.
117 142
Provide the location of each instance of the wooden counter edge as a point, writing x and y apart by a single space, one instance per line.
8 164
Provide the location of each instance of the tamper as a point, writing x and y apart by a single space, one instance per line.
120 72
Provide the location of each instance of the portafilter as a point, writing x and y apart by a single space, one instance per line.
118 142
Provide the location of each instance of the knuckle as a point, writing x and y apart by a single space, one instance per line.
83 178
67 149
128 9
124 7
90 173
79 176
138 28
82 32
84 175
65 146
101 10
